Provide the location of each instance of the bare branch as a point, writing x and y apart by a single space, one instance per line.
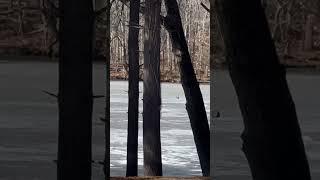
50 94
98 96
102 119
205 7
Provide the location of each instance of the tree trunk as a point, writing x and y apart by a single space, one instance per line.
272 139
20 19
106 165
213 44
308 40
75 90
195 106
151 93
133 109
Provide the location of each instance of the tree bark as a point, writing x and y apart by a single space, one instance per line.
308 39
106 166
133 109
151 93
272 139
213 26
75 90
195 106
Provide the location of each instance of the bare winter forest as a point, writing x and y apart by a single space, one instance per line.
30 27
179 41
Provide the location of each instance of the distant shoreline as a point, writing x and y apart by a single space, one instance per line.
45 59
221 67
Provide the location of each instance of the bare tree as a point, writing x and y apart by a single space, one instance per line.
272 139
195 106
106 13
50 16
107 100
133 108
213 38
75 89
308 39
151 93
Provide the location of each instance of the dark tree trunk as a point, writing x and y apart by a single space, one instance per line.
106 166
272 139
195 106
75 89
133 109
213 44
151 93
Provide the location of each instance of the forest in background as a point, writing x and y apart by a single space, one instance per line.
253 64
30 28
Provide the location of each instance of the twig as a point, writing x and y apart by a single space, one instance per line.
102 119
205 7
98 96
50 94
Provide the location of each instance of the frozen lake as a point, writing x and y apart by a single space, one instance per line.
179 155
28 124
229 160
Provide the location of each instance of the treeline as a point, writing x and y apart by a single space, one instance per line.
29 27
271 140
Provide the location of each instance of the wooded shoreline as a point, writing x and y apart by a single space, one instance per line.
295 64
290 68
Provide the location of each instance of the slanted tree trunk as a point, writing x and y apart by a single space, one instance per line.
133 109
75 90
195 106
272 139
151 93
